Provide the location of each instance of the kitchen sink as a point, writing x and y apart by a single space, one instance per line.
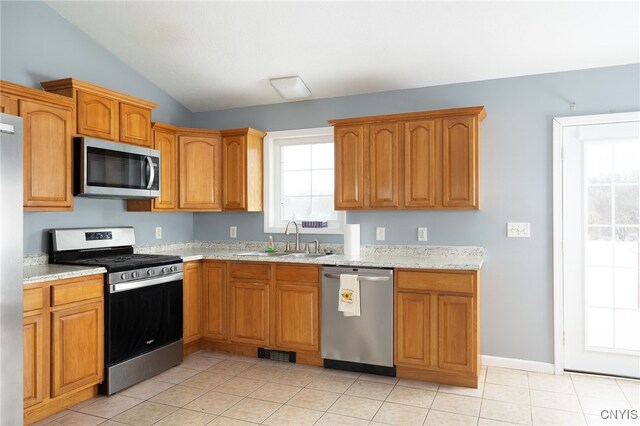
263 254
306 255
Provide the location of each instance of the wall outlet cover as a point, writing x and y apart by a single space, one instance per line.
518 229
158 232
233 231
422 234
380 233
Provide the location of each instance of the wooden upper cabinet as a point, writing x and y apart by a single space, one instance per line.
97 116
200 171
417 160
349 167
242 169
420 164
104 113
384 165
47 158
135 125
165 141
460 162
8 104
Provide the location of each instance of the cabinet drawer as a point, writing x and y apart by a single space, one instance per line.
448 282
33 298
75 290
298 274
250 271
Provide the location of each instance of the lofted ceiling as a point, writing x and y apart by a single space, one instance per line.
212 55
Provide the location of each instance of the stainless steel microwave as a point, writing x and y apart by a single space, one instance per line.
106 169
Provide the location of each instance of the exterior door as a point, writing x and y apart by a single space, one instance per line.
601 222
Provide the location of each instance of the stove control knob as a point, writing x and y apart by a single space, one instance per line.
135 274
163 271
123 276
151 272
174 269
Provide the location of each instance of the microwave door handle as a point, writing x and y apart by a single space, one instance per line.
151 172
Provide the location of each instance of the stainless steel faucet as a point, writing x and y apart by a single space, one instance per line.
286 232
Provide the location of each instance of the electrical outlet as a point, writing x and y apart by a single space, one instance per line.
158 232
380 233
233 231
518 230
422 234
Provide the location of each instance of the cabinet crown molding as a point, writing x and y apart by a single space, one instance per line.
156 125
74 83
187 131
242 132
24 92
440 113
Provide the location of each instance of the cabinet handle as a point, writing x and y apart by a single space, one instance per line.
360 277
152 172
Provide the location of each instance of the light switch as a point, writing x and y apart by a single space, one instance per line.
380 233
518 230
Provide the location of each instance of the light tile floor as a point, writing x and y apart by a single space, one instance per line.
212 388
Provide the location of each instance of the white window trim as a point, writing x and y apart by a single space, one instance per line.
271 173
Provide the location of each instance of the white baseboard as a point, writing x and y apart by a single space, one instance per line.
517 364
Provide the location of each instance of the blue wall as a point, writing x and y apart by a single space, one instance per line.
515 185
37 44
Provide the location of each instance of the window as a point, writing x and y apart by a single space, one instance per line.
299 178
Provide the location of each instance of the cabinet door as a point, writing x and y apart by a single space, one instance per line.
166 143
191 299
420 165
8 104
200 173
249 312
234 173
77 340
135 125
33 356
383 165
297 316
47 156
215 297
97 116
456 325
349 171
415 330
460 162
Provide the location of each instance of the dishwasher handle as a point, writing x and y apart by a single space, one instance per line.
360 277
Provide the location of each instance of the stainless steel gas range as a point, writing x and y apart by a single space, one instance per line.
143 301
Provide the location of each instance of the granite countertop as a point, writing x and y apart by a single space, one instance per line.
47 272
452 258
412 257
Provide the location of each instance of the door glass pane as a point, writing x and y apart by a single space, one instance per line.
626 205
626 246
626 160
599 205
626 288
627 332
599 327
599 246
599 287
599 163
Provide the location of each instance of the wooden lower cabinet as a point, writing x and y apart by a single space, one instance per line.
297 317
436 326
215 298
77 347
63 347
249 312
33 358
192 302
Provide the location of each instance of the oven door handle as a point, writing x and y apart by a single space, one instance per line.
116 288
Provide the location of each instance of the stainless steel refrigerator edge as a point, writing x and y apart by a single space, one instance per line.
11 386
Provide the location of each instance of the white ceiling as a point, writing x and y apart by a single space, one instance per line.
218 55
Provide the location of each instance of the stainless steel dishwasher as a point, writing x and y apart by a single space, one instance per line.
365 342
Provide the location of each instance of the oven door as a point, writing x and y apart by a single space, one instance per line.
141 317
116 170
